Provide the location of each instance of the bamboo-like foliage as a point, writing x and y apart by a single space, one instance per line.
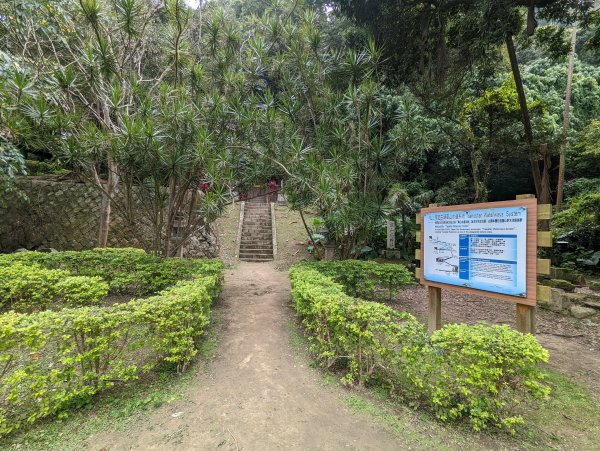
121 90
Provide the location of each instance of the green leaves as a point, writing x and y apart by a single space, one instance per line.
54 360
130 15
365 279
485 372
475 373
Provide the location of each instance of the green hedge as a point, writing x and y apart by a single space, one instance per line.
126 270
478 373
52 360
365 279
29 288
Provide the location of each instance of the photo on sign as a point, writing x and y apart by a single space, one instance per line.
483 249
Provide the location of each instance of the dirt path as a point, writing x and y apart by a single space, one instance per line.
258 393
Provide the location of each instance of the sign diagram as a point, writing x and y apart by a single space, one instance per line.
482 249
446 256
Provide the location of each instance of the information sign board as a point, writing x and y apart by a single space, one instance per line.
483 249
488 249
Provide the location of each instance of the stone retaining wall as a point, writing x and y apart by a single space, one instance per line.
64 215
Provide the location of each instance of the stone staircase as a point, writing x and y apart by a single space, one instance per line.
256 244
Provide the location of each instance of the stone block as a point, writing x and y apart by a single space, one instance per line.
562 284
558 301
592 304
581 312
568 274
576 298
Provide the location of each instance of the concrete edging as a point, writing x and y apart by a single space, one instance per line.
240 225
273 229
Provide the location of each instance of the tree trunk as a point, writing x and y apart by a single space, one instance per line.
545 195
566 118
310 235
170 217
535 169
476 175
105 206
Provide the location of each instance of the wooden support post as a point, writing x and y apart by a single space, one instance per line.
435 309
526 319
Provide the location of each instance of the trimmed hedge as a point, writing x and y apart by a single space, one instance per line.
52 360
126 270
478 373
29 288
365 279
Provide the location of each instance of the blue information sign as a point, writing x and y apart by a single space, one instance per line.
481 249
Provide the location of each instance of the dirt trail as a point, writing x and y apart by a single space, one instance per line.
258 393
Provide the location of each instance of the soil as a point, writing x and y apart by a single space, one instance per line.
226 229
574 344
258 393
292 241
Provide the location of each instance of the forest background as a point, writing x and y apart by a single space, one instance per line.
365 110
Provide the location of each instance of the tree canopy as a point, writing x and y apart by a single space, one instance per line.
350 103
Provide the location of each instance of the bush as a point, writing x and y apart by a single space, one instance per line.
483 373
365 279
477 373
579 226
32 288
27 288
126 270
54 359
79 291
360 334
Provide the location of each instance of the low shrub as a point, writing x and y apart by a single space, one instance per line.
31 288
360 334
79 291
365 279
477 373
27 288
484 372
54 359
126 270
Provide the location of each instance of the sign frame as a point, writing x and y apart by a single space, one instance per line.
531 249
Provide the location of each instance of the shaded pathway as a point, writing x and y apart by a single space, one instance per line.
257 394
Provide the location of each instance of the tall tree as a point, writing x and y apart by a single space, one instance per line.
566 117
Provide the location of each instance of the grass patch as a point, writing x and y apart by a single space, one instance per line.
570 418
296 340
358 404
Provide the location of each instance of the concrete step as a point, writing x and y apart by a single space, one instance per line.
257 247
248 252
256 259
255 255
256 244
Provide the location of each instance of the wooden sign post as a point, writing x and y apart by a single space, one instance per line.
487 249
